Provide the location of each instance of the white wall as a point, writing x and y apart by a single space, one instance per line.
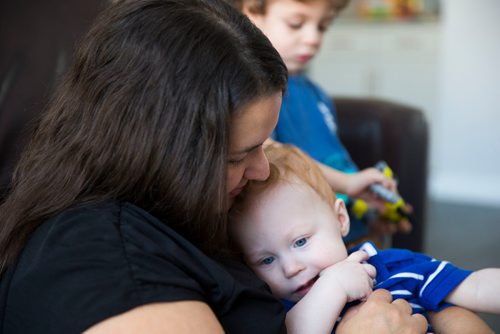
450 69
466 127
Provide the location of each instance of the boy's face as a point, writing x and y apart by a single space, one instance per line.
295 29
289 235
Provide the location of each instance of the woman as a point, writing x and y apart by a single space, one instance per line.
118 206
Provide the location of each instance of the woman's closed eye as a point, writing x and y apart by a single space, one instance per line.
236 161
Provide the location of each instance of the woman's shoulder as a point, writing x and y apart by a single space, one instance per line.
96 260
106 223
120 233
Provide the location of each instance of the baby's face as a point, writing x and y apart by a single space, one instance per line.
288 236
295 29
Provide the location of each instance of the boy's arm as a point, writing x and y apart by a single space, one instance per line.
353 185
317 311
338 284
458 320
479 291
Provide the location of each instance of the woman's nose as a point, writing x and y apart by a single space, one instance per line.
259 168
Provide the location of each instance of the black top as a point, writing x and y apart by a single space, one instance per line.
96 261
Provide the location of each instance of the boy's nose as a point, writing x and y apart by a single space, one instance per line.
292 267
313 36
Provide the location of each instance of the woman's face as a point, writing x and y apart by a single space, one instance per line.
248 130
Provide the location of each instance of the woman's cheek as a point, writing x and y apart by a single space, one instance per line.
234 176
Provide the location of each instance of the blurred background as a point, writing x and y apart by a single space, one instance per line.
441 57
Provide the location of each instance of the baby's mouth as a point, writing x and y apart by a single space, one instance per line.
304 288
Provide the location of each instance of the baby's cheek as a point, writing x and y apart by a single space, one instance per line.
273 283
326 261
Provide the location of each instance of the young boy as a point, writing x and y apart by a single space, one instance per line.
307 116
289 230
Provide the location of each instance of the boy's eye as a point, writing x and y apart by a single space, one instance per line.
323 28
295 25
324 25
299 243
267 260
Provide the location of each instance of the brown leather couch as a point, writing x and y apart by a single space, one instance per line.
36 42
373 130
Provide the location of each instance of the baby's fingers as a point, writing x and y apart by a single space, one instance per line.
358 256
370 270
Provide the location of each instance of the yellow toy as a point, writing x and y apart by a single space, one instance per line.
395 205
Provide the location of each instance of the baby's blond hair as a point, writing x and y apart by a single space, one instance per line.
287 164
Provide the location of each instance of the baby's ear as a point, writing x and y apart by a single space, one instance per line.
342 216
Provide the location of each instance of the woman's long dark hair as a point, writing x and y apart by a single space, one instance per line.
142 116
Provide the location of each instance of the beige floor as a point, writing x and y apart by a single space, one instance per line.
467 235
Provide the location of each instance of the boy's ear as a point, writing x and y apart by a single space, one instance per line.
256 18
342 216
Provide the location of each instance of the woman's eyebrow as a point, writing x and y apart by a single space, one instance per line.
247 149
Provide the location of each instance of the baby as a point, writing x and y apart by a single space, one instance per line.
289 230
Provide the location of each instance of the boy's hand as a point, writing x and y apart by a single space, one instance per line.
352 276
388 227
359 185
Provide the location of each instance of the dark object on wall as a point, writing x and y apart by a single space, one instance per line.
374 130
36 42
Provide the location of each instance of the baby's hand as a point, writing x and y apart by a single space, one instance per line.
353 277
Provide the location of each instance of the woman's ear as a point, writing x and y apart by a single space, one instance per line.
342 216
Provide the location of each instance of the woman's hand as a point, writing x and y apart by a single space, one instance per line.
379 314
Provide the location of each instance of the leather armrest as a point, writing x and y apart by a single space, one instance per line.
373 130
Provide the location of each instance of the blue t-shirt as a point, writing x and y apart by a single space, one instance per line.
308 120
420 279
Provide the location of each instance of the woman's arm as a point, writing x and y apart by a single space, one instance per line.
457 320
173 317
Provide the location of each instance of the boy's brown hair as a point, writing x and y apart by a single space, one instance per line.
260 6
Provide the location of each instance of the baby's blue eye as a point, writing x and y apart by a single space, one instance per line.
267 260
299 243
